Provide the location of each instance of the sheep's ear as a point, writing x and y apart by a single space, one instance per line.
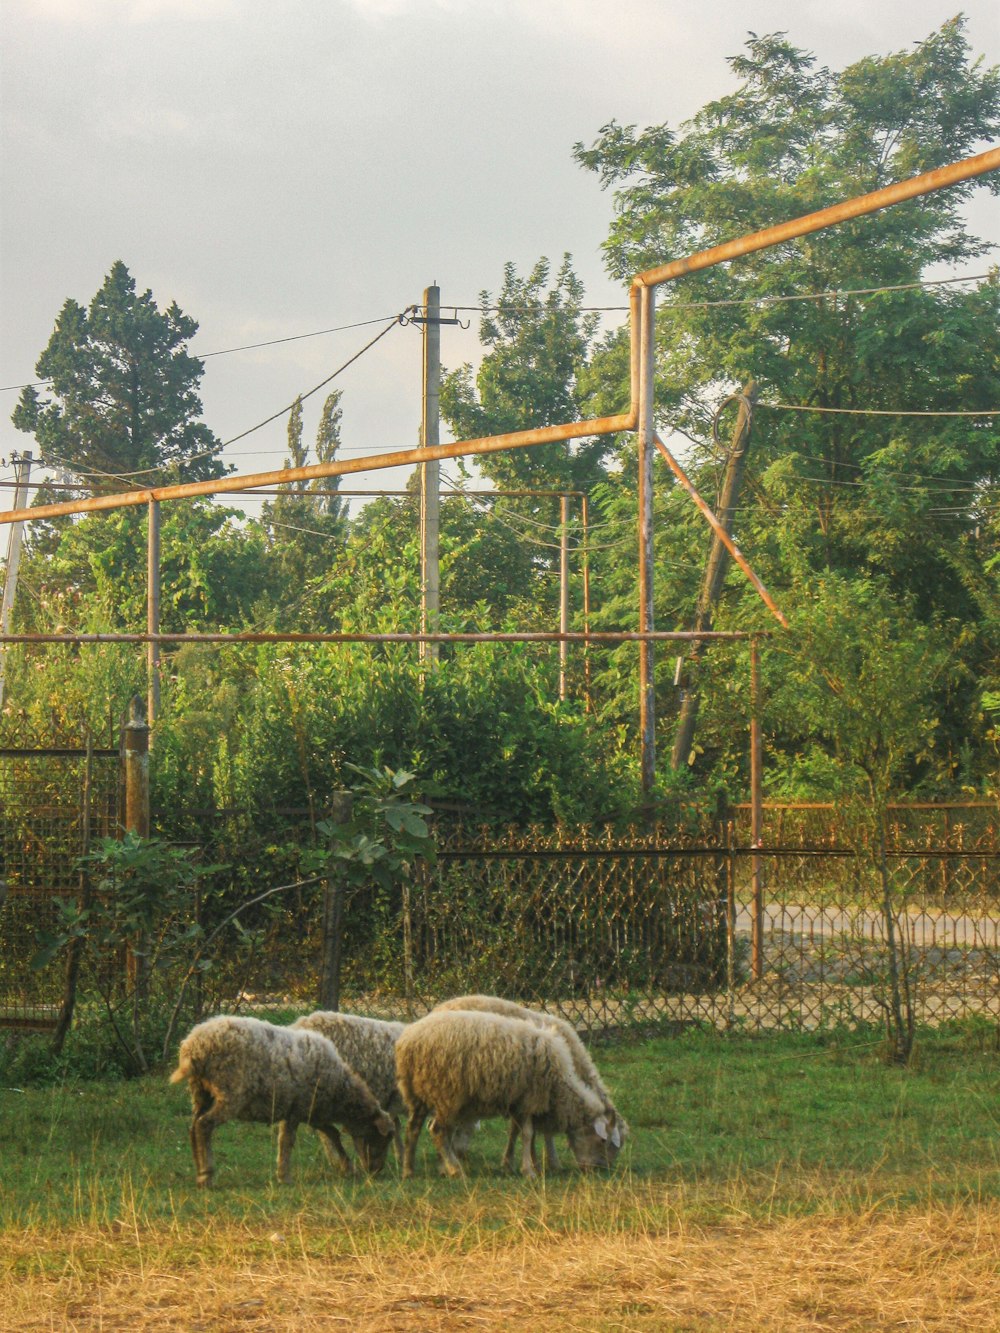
601 1127
616 1138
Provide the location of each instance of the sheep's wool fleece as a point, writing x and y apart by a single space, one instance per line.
266 1072
367 1045
483 1064
493 1004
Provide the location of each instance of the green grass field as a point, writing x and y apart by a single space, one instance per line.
784 1142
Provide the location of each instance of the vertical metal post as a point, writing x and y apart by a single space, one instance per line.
153 611
585 525
563 589
646 431
22 470
136 754
341 812
756 820
137 769
430 475
73 953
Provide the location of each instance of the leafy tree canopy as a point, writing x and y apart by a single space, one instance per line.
867 458
123 406
538 338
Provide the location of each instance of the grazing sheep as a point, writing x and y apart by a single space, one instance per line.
582 1061
245 1069
368 1046
460 1065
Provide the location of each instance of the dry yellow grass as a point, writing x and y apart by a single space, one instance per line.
920 1268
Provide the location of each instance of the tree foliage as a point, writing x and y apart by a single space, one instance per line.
124 408
852 473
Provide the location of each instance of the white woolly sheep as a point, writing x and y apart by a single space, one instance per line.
581 1057
368 1046
245 1069
461 1065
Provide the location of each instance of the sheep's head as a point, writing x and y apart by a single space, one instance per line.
371 1142
597 1143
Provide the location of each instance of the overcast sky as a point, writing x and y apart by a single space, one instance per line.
280 167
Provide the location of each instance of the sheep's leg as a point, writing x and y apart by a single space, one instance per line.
441 1134
551 1156
527 1147
507 1163
397 1138
207 1114
414 1124
286 1142
334 1145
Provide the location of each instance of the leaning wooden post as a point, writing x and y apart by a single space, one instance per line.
136 757
341 810
756 819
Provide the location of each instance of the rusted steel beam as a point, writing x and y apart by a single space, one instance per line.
721 532
926 183
262 636
646 437
491 444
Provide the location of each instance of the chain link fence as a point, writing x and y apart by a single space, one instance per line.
615 931
53 803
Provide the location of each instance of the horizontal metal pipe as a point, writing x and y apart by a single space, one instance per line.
253 636
825 217
489 444
720 531
312 494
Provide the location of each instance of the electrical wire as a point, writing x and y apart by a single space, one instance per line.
879 411
595 309
301 398
751 300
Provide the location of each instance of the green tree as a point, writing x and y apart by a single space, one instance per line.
862 674
538 338
124 407
307 530
850 482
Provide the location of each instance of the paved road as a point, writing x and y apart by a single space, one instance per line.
926 930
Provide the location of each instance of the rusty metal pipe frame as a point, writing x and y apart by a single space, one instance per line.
401 636
607 425
490 444
926 183
720 531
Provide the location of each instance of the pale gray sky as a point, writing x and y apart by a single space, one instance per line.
284 166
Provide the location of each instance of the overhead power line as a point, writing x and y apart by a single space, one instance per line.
588 309
879 411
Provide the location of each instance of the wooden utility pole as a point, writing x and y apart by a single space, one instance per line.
715 569
22 469
430 476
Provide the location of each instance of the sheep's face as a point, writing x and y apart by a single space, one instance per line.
596 1144
372 1143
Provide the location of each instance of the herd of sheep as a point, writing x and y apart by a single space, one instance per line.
472 1058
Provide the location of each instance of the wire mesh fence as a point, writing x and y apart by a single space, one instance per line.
53 803
614 930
